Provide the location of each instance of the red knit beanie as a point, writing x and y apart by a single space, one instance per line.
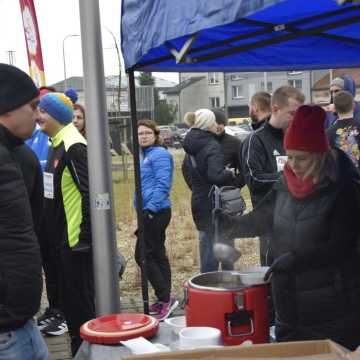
306 131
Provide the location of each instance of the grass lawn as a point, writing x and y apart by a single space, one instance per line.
182 239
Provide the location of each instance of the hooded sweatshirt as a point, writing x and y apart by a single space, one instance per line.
350 86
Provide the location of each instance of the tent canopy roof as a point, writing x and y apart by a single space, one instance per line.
203 36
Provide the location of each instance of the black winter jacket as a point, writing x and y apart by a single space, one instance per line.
318 296
259 154
20 263
231 146
67 206
31 170
206 150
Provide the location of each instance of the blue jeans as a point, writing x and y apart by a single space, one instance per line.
25 343
208 261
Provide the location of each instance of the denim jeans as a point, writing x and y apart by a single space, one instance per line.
208 261
25 343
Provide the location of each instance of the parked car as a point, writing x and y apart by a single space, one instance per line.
239 121
246 127
166 135
169 133
237 131
182 133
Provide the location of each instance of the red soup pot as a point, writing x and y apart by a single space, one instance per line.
221 300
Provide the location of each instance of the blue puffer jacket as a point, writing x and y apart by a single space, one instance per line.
350 86
39 144
156 169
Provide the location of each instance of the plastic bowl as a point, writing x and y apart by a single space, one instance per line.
176 323
202 336
253 275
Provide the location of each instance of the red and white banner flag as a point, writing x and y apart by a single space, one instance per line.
33 44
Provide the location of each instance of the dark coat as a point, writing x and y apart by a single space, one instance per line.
31 170
318 295
259 160
231 146
207 153
20 263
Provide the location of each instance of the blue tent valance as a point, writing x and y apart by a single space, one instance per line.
247 35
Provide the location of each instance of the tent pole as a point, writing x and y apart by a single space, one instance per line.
139 200
100 180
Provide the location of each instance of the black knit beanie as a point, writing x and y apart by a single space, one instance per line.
16 88
220 116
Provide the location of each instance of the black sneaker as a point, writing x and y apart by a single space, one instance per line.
47 318
56 327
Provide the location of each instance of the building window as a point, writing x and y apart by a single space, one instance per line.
269 86
214 102
237 92
236 77
295 83
213 78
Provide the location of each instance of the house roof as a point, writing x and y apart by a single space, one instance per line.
111 82
76 82
324 82
184 84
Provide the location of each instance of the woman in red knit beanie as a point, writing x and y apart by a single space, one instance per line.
311 214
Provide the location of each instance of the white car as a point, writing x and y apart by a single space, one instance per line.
237 131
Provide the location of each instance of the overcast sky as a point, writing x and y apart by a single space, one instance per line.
57 19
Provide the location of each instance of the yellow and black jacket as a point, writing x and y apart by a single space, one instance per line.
66 190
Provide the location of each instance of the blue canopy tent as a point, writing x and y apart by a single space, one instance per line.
203 36
234 36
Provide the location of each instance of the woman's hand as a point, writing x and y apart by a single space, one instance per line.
148 215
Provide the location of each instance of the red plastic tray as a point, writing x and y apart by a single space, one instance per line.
110 329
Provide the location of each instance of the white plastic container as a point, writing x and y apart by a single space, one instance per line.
196 337
253 275
176 323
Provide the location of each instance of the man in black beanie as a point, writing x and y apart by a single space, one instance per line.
20 261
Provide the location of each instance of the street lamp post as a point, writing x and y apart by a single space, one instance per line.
64 62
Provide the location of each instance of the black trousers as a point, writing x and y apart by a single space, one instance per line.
157 263
77 292
49 257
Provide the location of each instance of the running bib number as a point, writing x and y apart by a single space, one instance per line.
48 185
280 162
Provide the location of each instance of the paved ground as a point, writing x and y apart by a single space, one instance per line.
59 346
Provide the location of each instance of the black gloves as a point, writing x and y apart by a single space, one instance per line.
148 215
284 263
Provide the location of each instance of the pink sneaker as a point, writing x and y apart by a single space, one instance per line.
155 308
166 309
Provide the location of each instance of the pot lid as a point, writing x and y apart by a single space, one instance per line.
111 329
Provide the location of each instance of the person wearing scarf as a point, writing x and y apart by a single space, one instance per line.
311 214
